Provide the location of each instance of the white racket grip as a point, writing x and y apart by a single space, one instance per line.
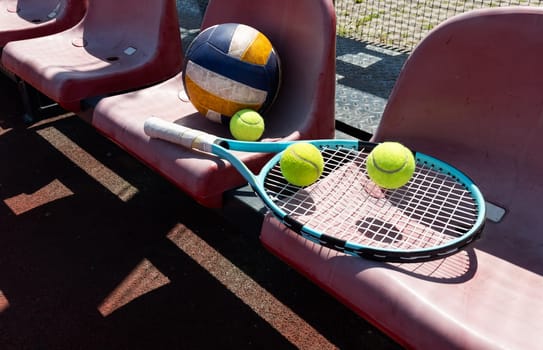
161 129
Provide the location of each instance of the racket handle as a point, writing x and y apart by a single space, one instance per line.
181 135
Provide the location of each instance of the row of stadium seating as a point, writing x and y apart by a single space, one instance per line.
470 94
122 63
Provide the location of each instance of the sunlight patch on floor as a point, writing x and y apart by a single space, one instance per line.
105 176
270 309
24 202
4 131
4 303
144 278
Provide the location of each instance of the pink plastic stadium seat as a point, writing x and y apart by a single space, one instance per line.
118 45
24 19
303 34
470 93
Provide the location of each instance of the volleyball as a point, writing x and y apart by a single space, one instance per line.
230 67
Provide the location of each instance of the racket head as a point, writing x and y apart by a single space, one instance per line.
438 212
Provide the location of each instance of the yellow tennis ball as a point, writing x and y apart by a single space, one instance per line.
301 164
247 125
390 165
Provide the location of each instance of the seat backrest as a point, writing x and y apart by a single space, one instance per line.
24 19
151 26
472 92
303 34
34 11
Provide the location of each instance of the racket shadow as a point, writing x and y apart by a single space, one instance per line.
454 269
380 231
457 268
298 204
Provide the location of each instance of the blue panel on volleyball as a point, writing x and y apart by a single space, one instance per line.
221 36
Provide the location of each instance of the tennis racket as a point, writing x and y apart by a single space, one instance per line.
437 213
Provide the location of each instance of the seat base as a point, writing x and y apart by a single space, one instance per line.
471 300
203 176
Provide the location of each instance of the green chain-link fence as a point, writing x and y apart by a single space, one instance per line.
400 24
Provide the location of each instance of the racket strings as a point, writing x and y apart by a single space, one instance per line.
425 208
431 210
437 193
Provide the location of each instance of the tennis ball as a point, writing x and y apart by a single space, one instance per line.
247 125
390 165
301 164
